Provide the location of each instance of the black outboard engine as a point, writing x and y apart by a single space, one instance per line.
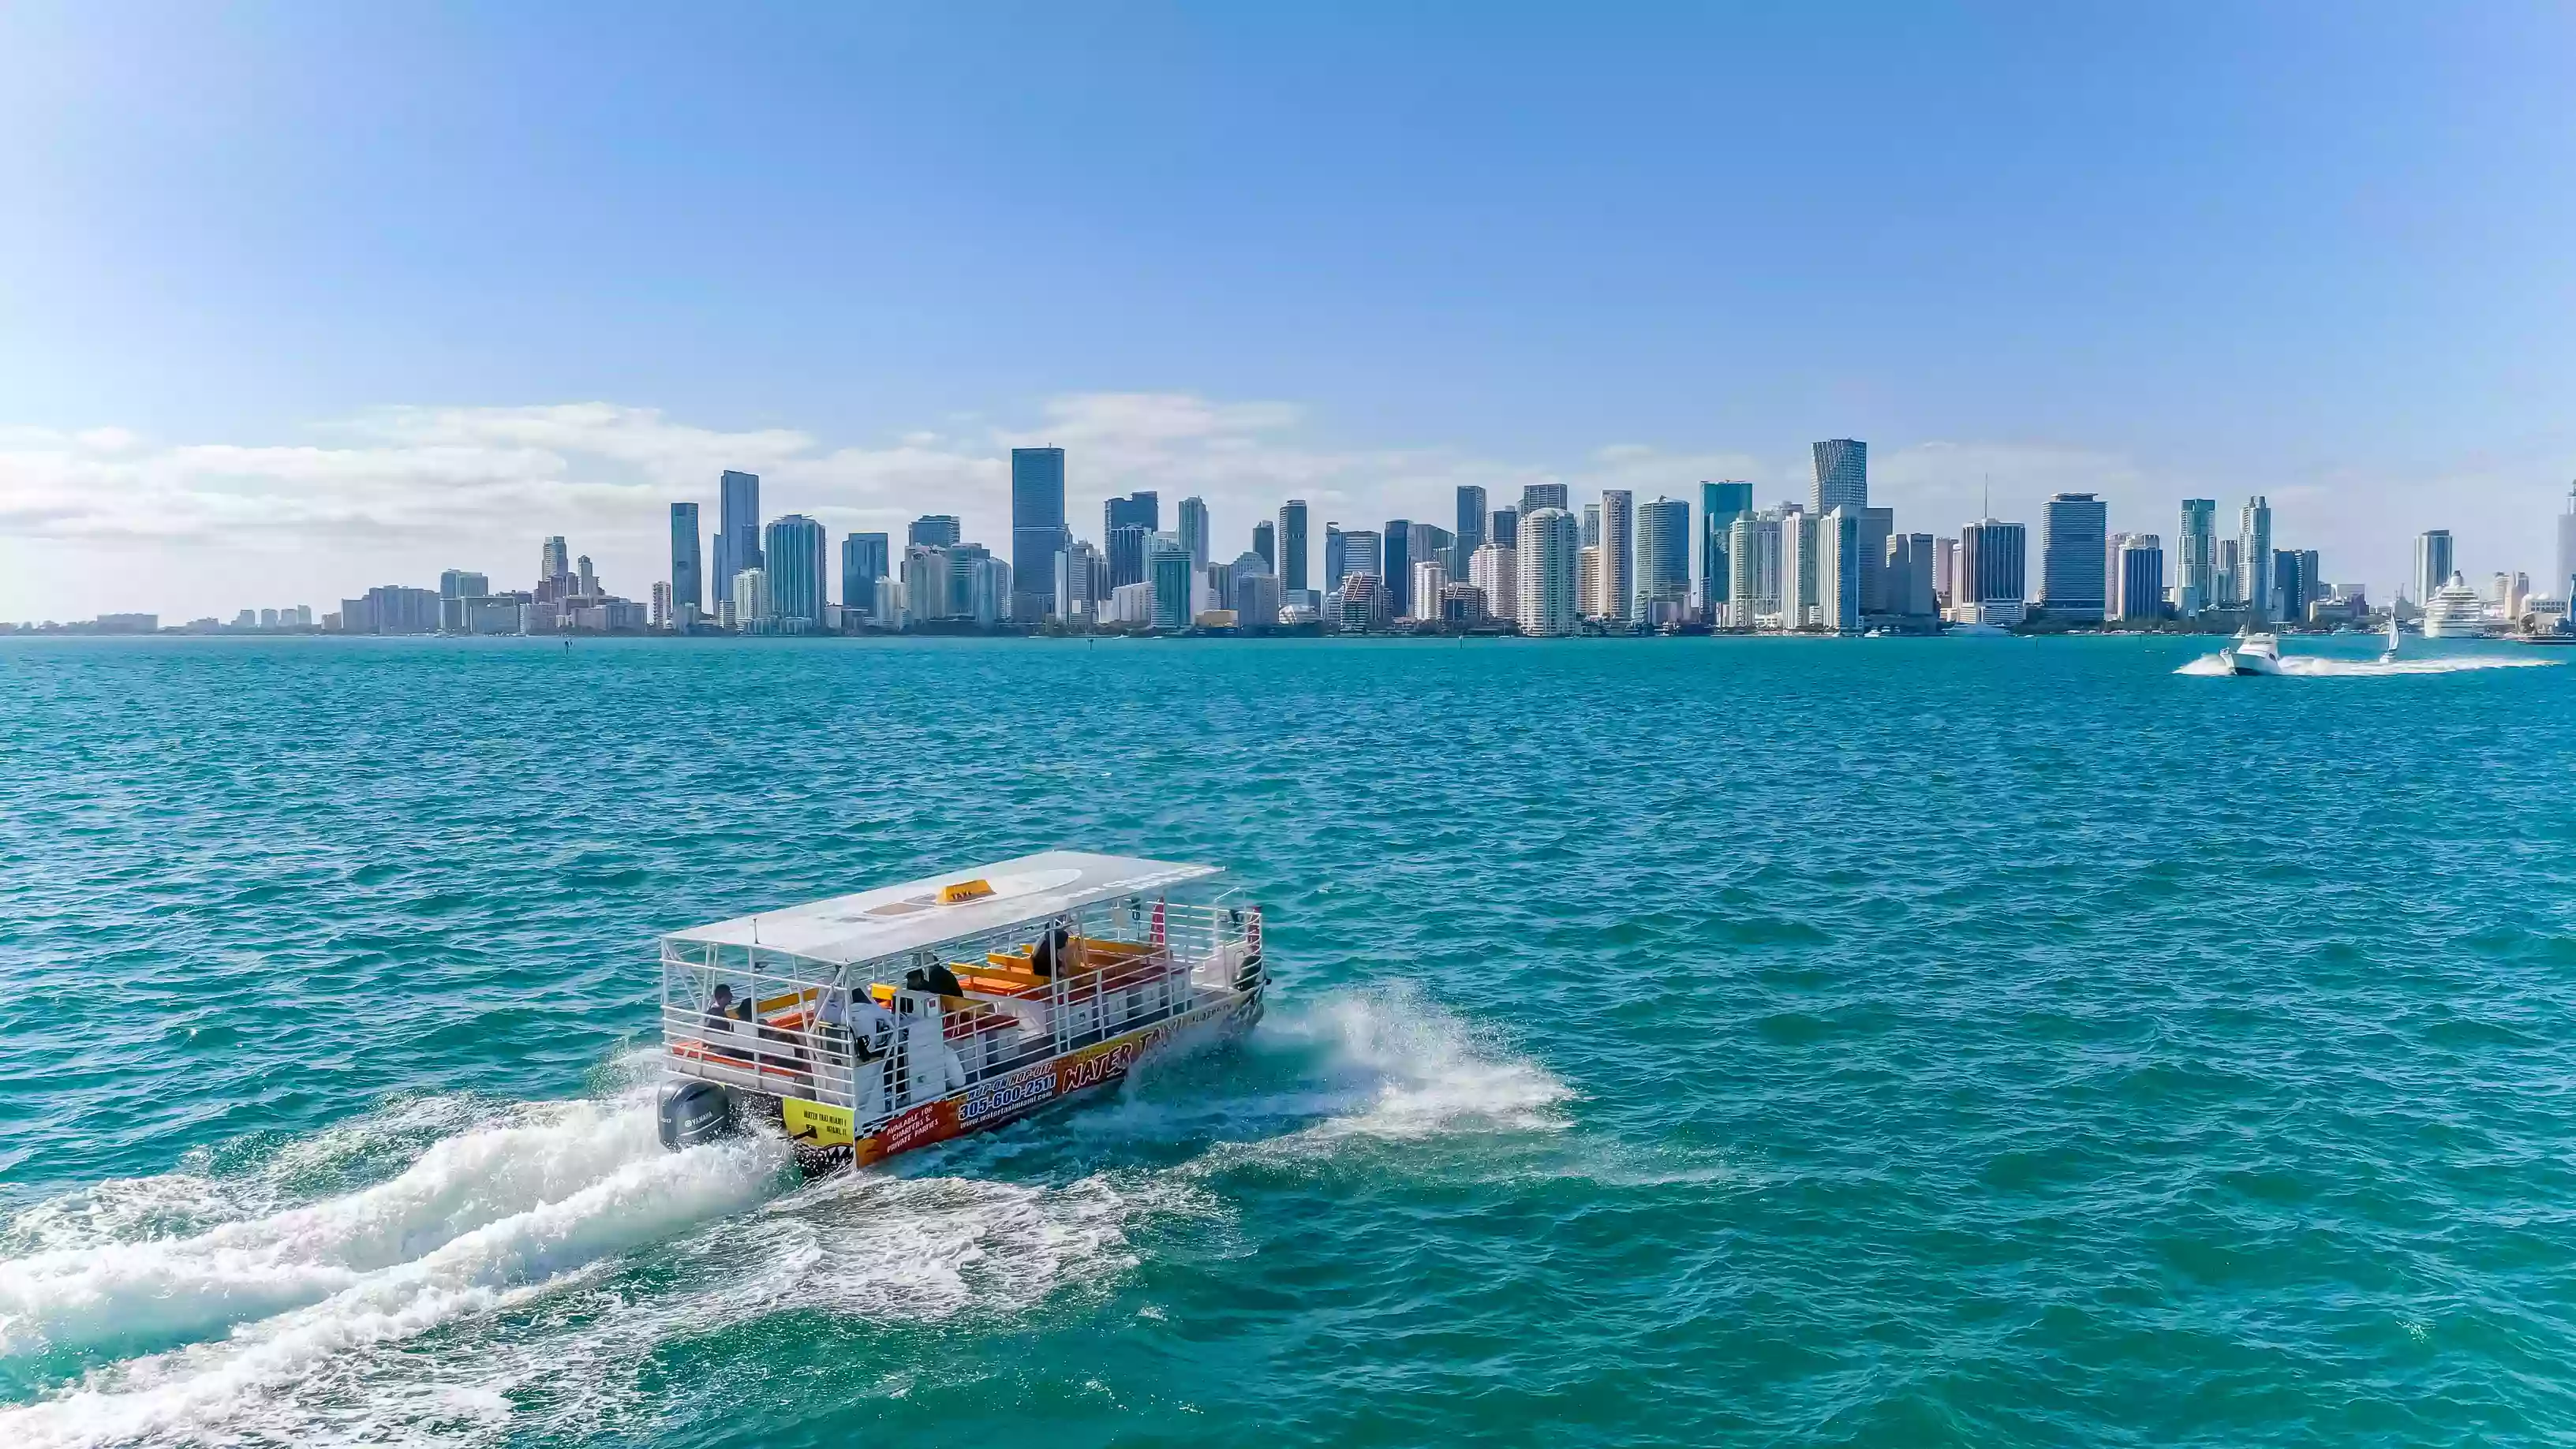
695 1112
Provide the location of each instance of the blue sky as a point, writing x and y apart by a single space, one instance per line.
305 298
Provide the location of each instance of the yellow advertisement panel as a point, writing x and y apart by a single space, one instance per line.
816 1124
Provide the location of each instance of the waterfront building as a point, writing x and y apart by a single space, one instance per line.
925 583
2433 563
1842 474
1663 562
1430 543
2231 573
385 609
1549 545
1504 530
1798 592
2294 583
1496 570
554 567
988 590
1945 571
865 558
1175 581
2074 534
1991 582
737 529
688 585
1618 557
452 584
1336 556
1909 575
1395 578
1536 496
1430 576
1038 532
1753 569
1125 524
1470 534
751 600
2111 572
1265 546
1193 530
1292 547
935 530
1876 525
1720 504
2254 558
1081 581
1130 604
1838 572
1256 598
1360 554
793 576
1587 580
1591 525
1362 603
661 604
2142 578
2196 559
268 617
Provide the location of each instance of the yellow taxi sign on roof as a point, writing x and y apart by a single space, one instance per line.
965 890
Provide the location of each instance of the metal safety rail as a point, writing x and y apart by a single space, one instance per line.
1162 960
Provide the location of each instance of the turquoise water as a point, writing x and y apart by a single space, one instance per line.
1984 1042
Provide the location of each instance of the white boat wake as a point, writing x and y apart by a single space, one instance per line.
2311 666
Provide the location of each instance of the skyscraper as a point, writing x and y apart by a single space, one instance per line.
2254 557
1337 556
1663 561
1496 569
1753 569
1361 554
1124 525
1550 540
1945 570
864 560
2196 559
1876 526
1618 557
1719 505
1397 576
2074 534
1175 581
935 530
688 587
1037 529
737 528
1991 585
2432 562
1471 529
792 547
1429 543
1909 575
2142 578
1292 548
554 560
1838 559
1193 529
1535 496
1591 525
1842 474
1265 546
1504 531
1798 597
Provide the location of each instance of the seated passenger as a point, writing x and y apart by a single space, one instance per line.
721 1016
935 977
1052 948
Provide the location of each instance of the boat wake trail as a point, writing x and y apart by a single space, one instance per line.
2309 666
514 1266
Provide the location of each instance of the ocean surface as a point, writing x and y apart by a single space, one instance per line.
1976 1042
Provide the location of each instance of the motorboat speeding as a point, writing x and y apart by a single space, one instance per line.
871 1024
2252 653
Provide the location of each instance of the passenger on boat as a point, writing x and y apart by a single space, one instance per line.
861 1032
934 977
1056 945
721 1015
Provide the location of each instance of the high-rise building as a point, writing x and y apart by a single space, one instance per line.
1910 569
1143 508
1496 570
1720 503
1265 546
1753 569
1838 572
793 546
2142 578
1535 496
1587 581
1175 581
1504 530
1945 570
2254 554
1256 598
1798 594
1550 541
1397 576
463 584
1591 525
1037 528
737 529
1193 529
1361 554
2111 572
2564 584
2074 532
1471 529
1842 474
1876 525
688 585
1618 557
1081 581
751 600
865 558
1337 563
1429 543
1991 584
2196 559
2432 563
1430 576
1292 547
925 583
2231 573
1663 561
935 530
554 560
1125 524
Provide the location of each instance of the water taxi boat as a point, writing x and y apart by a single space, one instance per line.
2252 653
876 1023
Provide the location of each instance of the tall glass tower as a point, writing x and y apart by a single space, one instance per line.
1292 546
1842 474
1720 504
1037 529
688 587
2074 544
2196 561
1471 528
737 528
2254 540
793 555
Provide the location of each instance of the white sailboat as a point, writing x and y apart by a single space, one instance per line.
2389 654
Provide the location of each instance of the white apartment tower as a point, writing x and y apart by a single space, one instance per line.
1550 543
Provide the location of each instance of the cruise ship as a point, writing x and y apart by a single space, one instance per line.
2455 612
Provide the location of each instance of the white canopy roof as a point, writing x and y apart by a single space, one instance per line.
907 917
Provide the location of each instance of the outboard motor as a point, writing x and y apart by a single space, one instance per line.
695 1112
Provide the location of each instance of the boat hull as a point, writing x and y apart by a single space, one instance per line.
823 1135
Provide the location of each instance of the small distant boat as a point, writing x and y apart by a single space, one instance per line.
2252 654
2389 654
1976 631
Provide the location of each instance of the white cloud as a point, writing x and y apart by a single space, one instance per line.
106 519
